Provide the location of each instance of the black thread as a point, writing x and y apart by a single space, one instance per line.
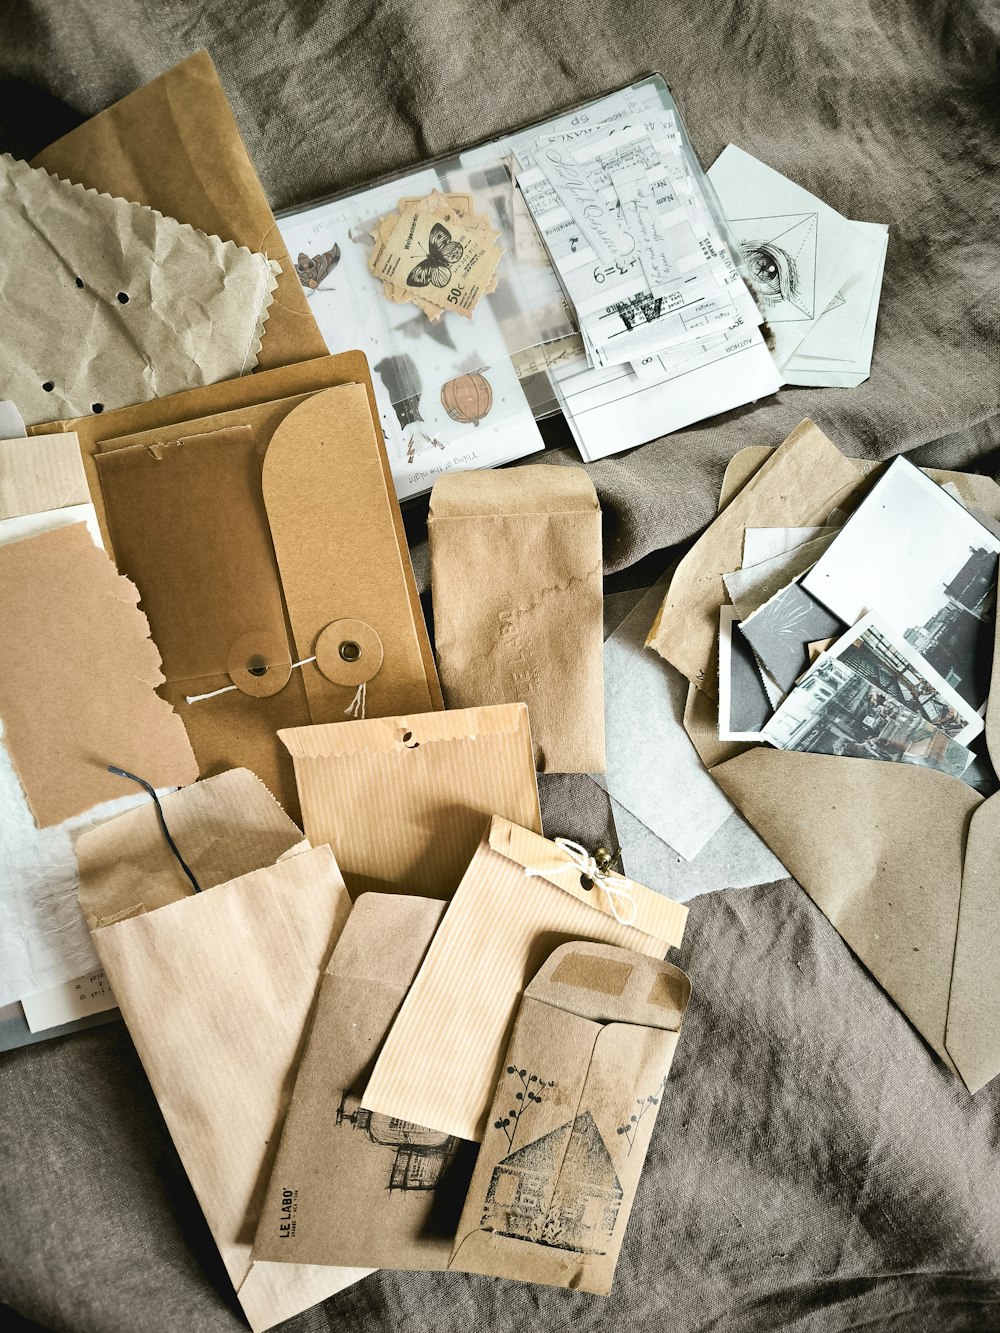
123 773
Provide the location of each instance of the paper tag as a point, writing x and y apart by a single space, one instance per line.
50 1008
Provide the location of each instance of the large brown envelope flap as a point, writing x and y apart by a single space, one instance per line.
405 801
578 1092
173 145
903 860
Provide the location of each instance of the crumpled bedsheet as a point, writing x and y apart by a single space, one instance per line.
813 1167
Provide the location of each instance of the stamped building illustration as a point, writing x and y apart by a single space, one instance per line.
420 1156
559 1190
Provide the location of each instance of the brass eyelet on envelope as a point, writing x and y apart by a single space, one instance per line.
349 652
259 664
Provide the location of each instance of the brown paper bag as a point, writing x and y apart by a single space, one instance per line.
434 780
579 1092
901 859
173 145
237 510
520 898
516 576
216 988
350 1187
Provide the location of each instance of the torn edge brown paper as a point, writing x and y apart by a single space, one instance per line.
902 860
216 989
441 1060
349 1186
405 801
78 674
516 577
199 173
579 1091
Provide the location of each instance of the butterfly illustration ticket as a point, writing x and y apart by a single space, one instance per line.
445 266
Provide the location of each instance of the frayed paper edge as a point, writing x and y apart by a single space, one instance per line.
263 312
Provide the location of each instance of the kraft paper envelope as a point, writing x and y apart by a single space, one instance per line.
520 898
516 578
137 306
78 675
350 1187
404 801
216 988
262 525
901 859
579 1091
173 145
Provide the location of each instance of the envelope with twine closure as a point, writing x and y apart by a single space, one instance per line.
521 897
580 1087
259 521
903 860
216 987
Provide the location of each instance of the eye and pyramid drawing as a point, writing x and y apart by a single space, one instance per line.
780 254
559 1190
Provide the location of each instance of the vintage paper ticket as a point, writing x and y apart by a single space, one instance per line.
447 265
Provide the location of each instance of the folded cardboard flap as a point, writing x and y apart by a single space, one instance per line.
609 985
199 173
224 827
536 489
655 914
384 734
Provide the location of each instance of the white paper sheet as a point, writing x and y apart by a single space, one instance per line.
30 525
70 1000
798 251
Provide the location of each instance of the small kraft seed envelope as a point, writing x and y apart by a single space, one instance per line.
578 1095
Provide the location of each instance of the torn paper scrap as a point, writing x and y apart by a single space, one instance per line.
77 678
109 303
753 585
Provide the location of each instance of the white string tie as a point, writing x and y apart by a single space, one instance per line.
356 708
581 861
197 698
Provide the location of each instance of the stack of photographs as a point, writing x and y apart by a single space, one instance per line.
881 648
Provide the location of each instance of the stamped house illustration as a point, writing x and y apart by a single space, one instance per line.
421 1156
559 1190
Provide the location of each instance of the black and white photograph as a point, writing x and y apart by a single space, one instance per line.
745 706
913 554
835 710
781 631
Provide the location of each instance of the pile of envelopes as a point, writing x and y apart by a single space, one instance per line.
885 630
422 1035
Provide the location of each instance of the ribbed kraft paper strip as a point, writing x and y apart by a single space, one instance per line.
404 801
42 473
441 1060
216 989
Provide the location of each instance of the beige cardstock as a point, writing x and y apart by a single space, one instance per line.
520 898
580 1087
901 859
217 988
108 303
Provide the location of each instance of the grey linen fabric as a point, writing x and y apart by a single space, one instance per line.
813 1166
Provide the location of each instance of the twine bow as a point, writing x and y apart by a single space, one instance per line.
597 872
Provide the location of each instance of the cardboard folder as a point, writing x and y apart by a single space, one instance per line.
216 988
262 527
173 145
579 1091
902 860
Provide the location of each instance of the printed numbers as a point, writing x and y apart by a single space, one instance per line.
455 295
